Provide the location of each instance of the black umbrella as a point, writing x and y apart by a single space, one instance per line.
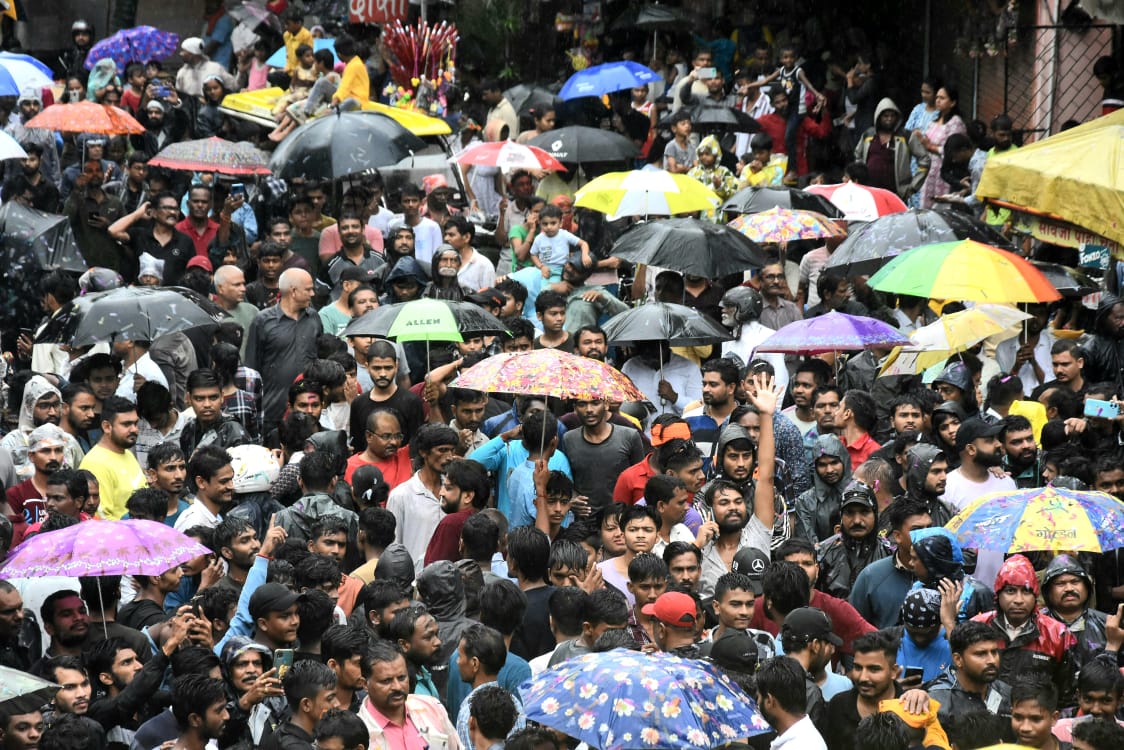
712 118
690 246
875 244
524 96
135 313
677 325
754 200
649 18
1070 282
46 240
472 320
31 244
577 144
340 144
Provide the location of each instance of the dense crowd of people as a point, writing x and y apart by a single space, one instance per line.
395 559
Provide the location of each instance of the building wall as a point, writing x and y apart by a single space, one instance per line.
48 24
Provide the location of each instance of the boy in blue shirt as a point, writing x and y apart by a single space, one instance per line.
554 246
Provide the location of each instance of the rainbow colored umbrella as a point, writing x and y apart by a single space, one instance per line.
1042 518
786 225
549 372
964 270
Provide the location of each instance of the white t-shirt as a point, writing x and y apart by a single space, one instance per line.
147 369
959 492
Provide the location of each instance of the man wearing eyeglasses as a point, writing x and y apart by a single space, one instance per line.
152 229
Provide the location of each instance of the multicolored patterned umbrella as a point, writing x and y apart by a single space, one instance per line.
138 44
549 372
508 155
607 78
786 225
622 699
964 270
1042 518
213 155
859 202
645 192
833 332
103 548
86 117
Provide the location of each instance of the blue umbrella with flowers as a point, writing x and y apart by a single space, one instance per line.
623 699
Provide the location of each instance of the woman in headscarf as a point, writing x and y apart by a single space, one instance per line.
103 75
209 119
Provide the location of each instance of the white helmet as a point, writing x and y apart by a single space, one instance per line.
255 468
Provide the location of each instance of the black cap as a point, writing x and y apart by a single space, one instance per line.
812 624
858 493
751 562
490 297
735 651
272 597
971 429
356 273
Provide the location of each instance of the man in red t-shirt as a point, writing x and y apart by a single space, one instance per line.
846 622
27 500
464 490
385 450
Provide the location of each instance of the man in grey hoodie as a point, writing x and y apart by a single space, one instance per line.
887 150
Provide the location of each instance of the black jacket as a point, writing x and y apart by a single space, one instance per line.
1104 353
118 714
956 701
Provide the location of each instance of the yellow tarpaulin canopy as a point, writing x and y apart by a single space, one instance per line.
258 106
1077 175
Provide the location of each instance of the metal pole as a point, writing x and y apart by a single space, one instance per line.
926 42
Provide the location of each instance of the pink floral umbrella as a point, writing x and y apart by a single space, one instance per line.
549 372
508 155
103 548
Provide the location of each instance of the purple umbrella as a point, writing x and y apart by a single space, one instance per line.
103 548
139 44
834 332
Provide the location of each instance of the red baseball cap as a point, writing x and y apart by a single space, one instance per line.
674 609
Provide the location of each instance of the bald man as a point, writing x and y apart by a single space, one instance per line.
230 295
282 341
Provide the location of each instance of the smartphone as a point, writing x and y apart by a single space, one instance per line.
238 189
705 74
911 672
197 605
27 332
282 661
1094 407
163 92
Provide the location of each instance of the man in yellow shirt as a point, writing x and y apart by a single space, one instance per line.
112 461
355 83
295 35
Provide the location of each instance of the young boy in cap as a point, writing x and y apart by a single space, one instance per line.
675 617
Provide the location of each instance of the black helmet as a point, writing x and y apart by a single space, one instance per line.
747 303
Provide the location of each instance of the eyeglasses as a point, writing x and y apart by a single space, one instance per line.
772 276
396 437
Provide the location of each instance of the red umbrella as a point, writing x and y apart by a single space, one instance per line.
508 155
860 202
86 117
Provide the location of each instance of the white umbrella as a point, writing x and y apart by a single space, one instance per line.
10 148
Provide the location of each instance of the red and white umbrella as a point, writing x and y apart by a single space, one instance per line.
508 155
860 202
